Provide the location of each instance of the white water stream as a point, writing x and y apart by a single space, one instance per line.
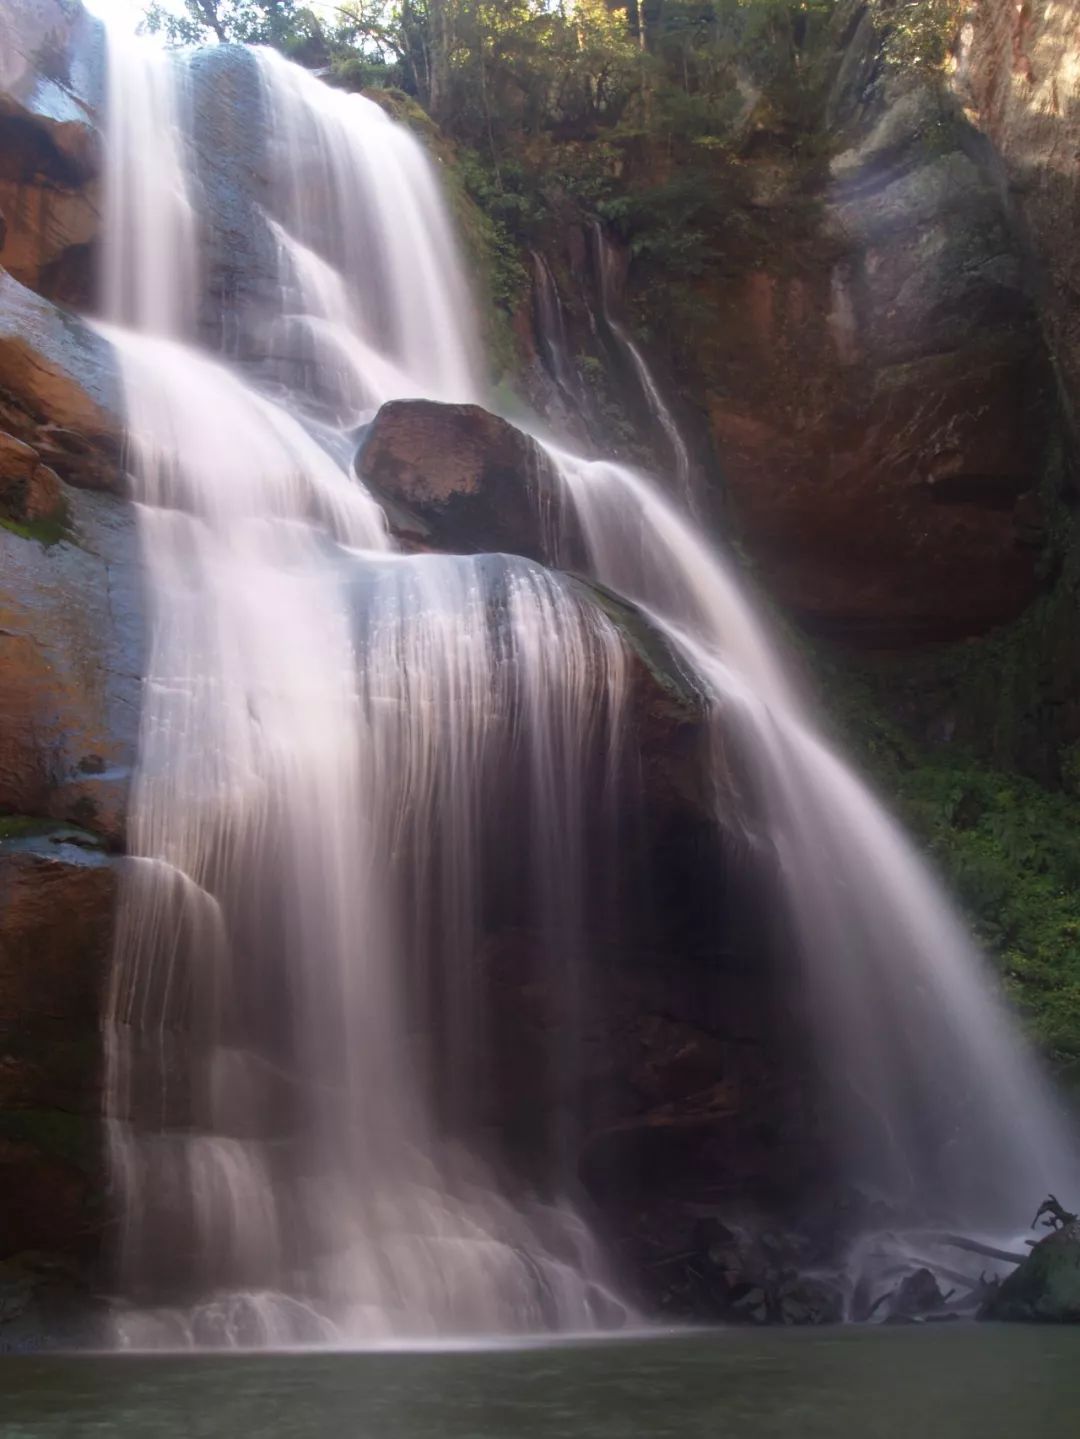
324 720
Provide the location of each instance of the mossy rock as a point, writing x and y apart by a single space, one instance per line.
1045 1289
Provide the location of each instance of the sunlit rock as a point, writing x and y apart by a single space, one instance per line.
60 391
50 147
70 642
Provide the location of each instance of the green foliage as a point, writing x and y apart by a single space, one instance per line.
491 216
21 826
1007 847
250 22
359 72
918 34
1012 852
674 225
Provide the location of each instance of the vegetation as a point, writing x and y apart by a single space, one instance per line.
632 110
21 826
919 33
1007 847
591 100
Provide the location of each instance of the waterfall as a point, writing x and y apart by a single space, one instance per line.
296 1018
654 400
939 1103
368 240
346 751
149 276
550 322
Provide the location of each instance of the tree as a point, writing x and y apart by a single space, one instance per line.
249 22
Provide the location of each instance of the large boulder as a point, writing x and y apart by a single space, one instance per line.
458 478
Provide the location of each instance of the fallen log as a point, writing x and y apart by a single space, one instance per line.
976 1246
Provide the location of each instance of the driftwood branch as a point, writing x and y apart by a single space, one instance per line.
1057 1216
976 1246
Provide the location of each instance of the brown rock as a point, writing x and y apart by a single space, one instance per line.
460 479
57 897
29 490
60 382
867 351
70 641
49 146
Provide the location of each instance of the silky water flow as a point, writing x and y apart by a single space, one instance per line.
322 720
325 722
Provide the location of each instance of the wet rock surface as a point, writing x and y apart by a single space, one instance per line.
70 650
48 1302
57 898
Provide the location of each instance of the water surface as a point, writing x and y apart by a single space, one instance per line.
949 1381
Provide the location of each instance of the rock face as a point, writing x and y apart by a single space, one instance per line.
1046 1287
70 646
455 477
29 490
49 146
70 643
1017 71
59 389
57 892
870 362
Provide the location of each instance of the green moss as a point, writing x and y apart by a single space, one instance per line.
491 213
652 648
47 532
21 826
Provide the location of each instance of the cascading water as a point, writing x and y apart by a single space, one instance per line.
326 726
550 322
324 723
939 1105
682 470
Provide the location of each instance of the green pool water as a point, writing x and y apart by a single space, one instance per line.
956 1382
